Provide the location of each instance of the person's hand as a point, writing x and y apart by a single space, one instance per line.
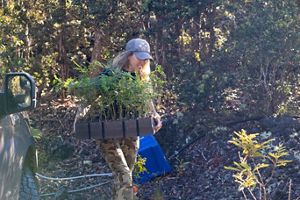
157 122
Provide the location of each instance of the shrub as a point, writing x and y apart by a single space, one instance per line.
256 156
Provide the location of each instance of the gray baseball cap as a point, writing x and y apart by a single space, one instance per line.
140 48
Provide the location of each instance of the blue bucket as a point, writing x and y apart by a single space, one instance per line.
156 162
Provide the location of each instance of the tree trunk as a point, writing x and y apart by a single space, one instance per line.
97 51
28 44
62 56
161 46
211 19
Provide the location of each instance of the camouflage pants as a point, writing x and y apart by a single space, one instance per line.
121 155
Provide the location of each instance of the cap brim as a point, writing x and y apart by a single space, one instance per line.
143 55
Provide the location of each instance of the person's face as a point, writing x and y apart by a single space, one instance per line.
136 64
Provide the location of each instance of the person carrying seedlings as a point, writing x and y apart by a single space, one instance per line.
121 154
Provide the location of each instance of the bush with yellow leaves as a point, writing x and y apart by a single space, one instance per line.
255 157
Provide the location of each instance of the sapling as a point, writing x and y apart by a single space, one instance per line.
256 158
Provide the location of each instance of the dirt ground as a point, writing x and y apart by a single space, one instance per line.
200 145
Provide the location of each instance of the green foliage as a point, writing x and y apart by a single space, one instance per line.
264 45
247 142
139 166
44 37
249 46
36 133
116 94
256 156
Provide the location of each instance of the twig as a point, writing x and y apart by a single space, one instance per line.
245 196
251 194
260 191
61 124
290 189
203 156
262 184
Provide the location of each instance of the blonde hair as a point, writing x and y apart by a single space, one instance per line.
145 72
122 61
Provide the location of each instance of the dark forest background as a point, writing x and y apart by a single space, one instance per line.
221 56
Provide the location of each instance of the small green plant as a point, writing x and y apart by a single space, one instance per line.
139 166
256 156
36 133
